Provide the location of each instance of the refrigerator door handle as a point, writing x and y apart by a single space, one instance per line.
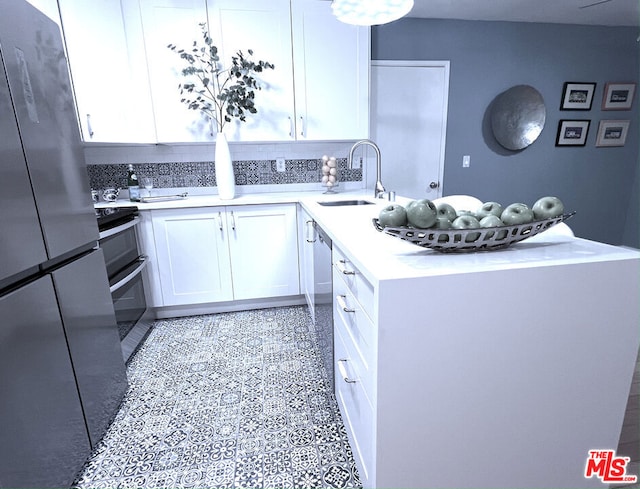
142 262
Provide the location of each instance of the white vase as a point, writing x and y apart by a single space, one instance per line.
225 178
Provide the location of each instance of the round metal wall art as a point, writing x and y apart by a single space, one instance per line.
517 117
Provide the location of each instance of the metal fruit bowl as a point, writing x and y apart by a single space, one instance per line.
473 239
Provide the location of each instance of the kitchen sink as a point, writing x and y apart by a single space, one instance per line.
337 203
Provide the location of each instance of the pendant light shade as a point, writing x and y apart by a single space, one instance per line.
370 12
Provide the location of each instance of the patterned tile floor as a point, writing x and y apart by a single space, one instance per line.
233 400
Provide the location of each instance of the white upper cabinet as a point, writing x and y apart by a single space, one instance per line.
176 22
265 28
318 90
108 69
331 62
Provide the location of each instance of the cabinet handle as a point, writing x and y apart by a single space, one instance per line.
343 371
343 303
291 128
301 126
233 221
89 128
310 227
220 220
343 268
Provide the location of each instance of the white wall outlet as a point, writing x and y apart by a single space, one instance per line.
466 161
280 166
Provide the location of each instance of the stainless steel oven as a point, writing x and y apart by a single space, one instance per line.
125 268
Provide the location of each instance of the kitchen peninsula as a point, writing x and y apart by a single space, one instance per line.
490 369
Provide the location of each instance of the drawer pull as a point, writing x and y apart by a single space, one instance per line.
344 269
343 304
343 371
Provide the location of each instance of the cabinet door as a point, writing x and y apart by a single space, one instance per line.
192 256
306 237
264 250
173 22
331 62
265 28
109 70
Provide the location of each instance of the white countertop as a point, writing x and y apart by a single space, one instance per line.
382 257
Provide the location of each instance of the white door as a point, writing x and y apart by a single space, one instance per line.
409 120
265 28
263 244
192 254
109 74
331 62
173 22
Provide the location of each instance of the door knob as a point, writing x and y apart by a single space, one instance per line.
434 185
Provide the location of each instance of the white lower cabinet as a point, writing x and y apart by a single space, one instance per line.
263 245
306 238
355 351
216 254
192 255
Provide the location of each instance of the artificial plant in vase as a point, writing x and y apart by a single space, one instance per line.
220 93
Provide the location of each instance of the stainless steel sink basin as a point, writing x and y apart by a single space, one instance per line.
337 203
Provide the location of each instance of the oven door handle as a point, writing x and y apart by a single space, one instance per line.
118 229
142 262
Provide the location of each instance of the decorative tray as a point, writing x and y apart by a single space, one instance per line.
473 239
163 198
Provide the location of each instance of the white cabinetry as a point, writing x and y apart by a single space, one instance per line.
216 254
265 28
264 250
318 90
306 238
192 255
423 384
108 68
331 61
173 22
355 343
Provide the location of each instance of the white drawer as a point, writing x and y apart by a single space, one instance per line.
356 411
355 281
358 332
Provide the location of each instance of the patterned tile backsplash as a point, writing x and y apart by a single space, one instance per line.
202 174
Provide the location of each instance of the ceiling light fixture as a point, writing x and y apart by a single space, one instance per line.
370 12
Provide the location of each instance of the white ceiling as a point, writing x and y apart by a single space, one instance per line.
593 12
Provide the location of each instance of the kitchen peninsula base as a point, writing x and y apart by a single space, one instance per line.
505 378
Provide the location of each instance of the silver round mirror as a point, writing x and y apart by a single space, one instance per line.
517 117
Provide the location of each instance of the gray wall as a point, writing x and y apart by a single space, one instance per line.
601 184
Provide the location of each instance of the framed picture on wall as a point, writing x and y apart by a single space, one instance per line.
572 132
618 96
577 96
612 133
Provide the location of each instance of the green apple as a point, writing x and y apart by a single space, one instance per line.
516 213
489 209
393 215
422 213
547 208
491 221
443 223
467 222
446 210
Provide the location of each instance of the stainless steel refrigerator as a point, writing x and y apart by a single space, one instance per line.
62 375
